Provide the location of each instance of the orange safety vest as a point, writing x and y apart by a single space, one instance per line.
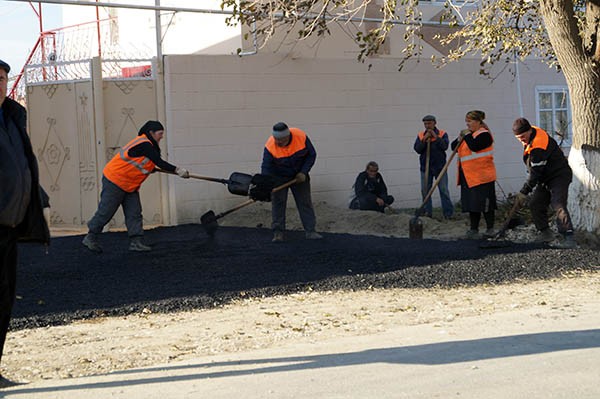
126 172
478 167
421 134
298 143
540 140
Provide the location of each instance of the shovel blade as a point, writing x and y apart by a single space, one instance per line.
415 228
239 183
209 222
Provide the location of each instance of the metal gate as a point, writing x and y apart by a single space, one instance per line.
79 114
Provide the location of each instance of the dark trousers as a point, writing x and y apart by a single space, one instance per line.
111 198
554 193
301 192
368 202
475 217
8 279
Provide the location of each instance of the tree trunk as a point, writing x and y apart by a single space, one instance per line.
582 73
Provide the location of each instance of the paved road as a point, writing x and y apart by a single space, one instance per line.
532 353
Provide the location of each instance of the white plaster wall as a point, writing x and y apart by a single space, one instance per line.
220 110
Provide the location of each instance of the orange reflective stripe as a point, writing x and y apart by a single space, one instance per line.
298 143
128 173
135 162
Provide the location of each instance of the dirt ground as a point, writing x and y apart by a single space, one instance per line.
104 344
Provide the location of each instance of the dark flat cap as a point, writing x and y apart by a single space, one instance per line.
428 118
5 66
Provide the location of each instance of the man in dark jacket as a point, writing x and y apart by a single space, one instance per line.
370 191
549 179
21 215
434 141
289 154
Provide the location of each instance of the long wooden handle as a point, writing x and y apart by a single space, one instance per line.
427 160
200 177
513 210
285 185
235 208
437 181
251 201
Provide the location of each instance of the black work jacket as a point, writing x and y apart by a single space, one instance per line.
544 159
33 227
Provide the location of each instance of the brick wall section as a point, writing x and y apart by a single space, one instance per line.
220 110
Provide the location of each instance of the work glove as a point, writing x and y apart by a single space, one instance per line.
261 187
182 172
463 133
520 199
300 177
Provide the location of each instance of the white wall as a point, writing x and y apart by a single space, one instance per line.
220 110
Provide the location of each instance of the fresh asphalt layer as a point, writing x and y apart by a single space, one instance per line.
186 269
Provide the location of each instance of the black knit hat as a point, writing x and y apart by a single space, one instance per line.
151 126
520 126
429 118
5 66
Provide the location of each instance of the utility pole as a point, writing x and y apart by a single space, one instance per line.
158 31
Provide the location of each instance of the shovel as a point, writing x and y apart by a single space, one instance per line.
427 159
209 219
497 241
415 226
238 183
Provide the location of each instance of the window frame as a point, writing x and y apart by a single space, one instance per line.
553 89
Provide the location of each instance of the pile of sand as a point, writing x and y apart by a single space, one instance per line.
393 223
330 219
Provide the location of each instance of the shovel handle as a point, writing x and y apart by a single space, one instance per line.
235 208
251 201
194 176
439 178
516 206
427 160
285 185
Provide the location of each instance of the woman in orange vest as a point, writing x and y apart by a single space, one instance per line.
122 177
477 173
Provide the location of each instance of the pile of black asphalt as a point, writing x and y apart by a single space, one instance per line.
188 270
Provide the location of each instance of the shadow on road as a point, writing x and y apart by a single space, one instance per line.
428 354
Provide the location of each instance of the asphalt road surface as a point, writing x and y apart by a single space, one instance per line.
188 270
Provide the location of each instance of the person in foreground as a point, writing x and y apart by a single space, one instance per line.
549 179
122 178
477 173
289 154
370 191
21 214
